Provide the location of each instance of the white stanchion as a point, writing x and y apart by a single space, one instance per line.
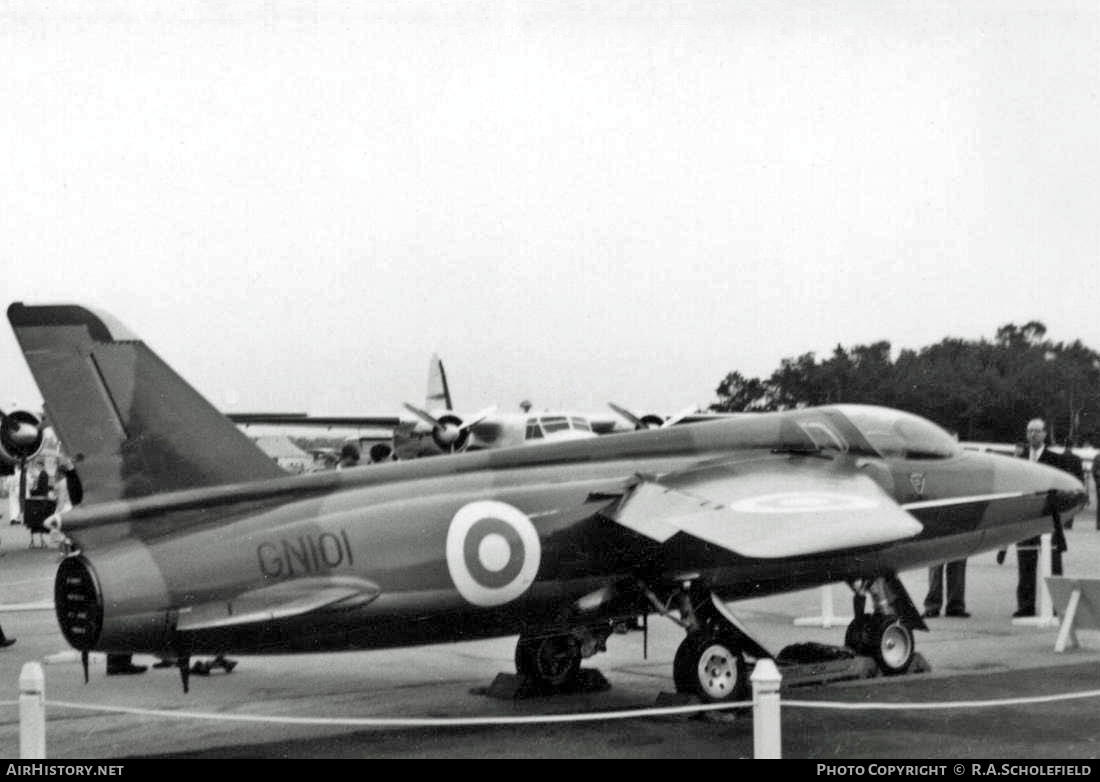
1045 606
827 618
32 711
767 736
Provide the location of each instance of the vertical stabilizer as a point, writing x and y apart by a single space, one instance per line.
138 426
439 395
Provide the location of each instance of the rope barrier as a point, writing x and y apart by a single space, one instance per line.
1067 696
551 718
411 722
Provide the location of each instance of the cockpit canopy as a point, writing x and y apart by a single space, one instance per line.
895 434
542 426
865 429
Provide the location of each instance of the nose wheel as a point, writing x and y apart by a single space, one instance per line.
885 638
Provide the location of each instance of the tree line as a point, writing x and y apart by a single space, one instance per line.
980 390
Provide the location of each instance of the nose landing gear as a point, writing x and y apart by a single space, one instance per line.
887 634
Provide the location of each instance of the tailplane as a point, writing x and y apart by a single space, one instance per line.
136 426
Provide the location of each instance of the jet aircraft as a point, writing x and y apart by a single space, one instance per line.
190 541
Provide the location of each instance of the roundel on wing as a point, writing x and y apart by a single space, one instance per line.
802 502
493 552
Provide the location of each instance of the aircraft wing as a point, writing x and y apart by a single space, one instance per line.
303 419
281 601
768 507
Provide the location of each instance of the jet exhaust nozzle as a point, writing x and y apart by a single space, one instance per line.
125 579
78 602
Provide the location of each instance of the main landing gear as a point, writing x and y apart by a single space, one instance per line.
710 661
552 662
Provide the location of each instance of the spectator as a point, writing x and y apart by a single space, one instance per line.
10 479
122 664
956 589
70 493
1027 551
1096 485
7 471
1071 463
219 661
67 485
40 505
349 456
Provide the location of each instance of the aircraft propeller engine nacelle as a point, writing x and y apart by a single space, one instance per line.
651 420
381 452
450 433
647 421
21 435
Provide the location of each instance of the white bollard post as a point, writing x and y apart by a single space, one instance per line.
827 618
1044 609
767 738
32 711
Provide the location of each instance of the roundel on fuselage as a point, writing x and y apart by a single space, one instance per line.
493 552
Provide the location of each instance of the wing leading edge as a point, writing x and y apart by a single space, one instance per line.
769 507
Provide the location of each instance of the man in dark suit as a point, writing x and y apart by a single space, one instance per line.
1071 463
1027 551
1096 485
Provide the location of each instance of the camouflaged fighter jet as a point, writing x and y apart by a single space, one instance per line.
191 541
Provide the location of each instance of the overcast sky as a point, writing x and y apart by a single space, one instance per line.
295 203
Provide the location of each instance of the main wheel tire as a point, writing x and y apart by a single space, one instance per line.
893 645
551 662
712 667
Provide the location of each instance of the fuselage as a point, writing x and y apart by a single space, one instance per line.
149 567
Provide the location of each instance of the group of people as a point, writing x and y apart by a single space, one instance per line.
65 492
1027 551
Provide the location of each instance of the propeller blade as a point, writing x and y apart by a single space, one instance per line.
676 417
629 416
478 417
424 416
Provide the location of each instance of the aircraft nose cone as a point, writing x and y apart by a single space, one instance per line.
1069 502
1067 494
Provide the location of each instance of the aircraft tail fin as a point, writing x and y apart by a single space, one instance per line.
137 427
439 395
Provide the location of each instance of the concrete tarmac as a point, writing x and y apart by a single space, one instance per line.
983 657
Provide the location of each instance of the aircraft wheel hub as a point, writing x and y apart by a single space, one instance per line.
896 646
717 671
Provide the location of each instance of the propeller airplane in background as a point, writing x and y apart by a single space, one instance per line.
437 428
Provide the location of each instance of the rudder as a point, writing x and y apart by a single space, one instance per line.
139 427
